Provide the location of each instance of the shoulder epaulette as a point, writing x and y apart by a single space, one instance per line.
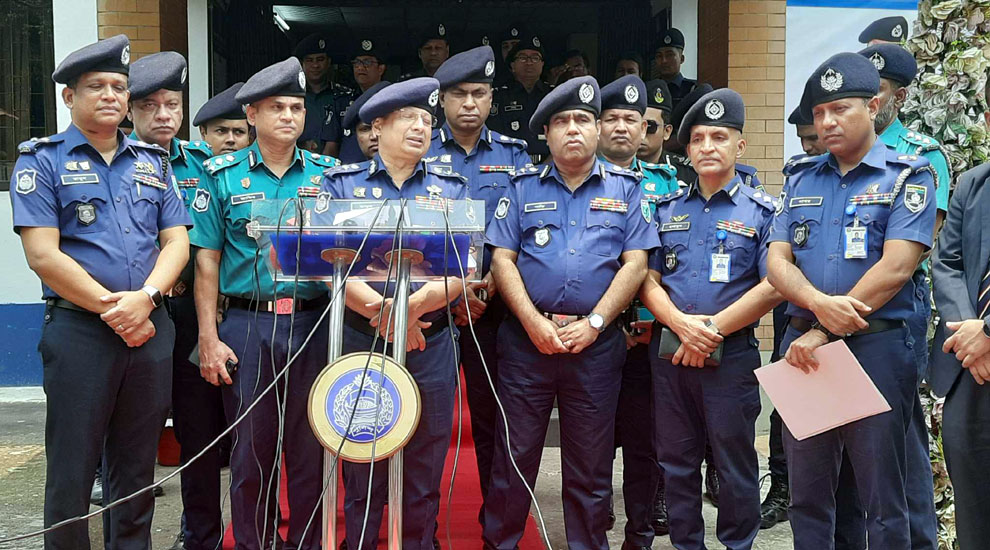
198 146
616 169
665 168
322 160
502 138
913 161
344 169
798 163
444 171
149 146
219 162
919 139
31 146
667 197
762 198
525 171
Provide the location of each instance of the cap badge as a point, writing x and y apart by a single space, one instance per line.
182 77
441 30
831 80
489 68
514 32
434 97
631 94
484 40
658 97
586 93
714 109
878 61
125 55
322 43
536 42
366 45
666 39
897 31
302 80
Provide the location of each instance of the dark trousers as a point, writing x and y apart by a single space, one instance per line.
102 397
634 433
719 404
967 454
435 373
254 475
875 446
586 389
481 399
198 417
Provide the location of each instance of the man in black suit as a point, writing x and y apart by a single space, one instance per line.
962 343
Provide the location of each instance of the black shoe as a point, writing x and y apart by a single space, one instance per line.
158 491
711 484
659 520
611 515
629 546
179 543
96 494
773 510
342 545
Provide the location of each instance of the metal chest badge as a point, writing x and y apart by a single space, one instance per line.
542 237
86 213
670 260
801 234
368 411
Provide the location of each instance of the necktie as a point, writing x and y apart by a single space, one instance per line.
983 299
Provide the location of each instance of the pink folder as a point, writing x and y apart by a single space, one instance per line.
838 393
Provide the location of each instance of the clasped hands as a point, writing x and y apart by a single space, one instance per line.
841 315
129 316
971 346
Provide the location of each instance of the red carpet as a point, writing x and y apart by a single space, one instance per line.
465 532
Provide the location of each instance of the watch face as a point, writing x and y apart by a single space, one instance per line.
596 321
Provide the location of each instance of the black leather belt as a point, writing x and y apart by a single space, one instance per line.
876 325
360 324
745 331
65 304
282 306
562 320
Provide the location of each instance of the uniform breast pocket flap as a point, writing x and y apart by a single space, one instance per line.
541 229
85 209
606 230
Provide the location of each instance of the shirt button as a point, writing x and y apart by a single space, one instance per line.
127 230
831 256
689 307
708 210
118 199
835 222
607 223
134 264
573 251
701 241
694 273
573 222
843 186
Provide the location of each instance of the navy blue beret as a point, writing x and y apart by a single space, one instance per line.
111 55
515 31
158 71
798 118
658 95
526 42
283 78
671 38
723 107
312 44
678 111
223 105
577 93
627 92
892 61
367 46
434 31
843 75
474 65
888 29
422 92
351 114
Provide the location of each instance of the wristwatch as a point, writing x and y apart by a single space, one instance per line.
819 327
597 322
711 324
986 328
154 294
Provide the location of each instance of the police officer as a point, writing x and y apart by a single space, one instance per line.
432 49
260 314
103 226
708 290
571 240
845 243
629 62
509 37
886 29
368 66
658 125
157 83
486 159
359 143
623 126
313 52
223 124
401 115
667 61
513 104
897 68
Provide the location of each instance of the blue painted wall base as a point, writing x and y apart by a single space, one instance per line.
20 330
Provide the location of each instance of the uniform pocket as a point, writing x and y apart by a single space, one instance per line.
542 232
85 209
607 231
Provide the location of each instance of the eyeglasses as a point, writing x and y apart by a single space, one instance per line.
652 127
409 116
364 62
529 58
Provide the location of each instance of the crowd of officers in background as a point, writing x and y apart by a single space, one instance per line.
632 254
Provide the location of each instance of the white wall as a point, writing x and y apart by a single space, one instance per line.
74 26
685 18
20 284
198 29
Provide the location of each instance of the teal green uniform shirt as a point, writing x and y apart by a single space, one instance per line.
655 179
188 160
221 210
902 140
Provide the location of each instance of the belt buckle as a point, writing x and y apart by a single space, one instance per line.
179 289
284 306
562 320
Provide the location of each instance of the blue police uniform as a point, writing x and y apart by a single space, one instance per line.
568 245
434 370
113 402
320 105
263 339
513 105
889 195
678 85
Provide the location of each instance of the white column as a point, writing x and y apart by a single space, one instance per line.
74 26
198 31
685 18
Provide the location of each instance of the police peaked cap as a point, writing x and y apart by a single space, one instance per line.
111 55
723 107
283 78
577 93
474 65
158 71
351 114
221 106
422 92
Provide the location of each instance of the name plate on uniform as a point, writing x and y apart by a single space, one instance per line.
675 226
78 179
246 197
540 206
805 201
362 401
